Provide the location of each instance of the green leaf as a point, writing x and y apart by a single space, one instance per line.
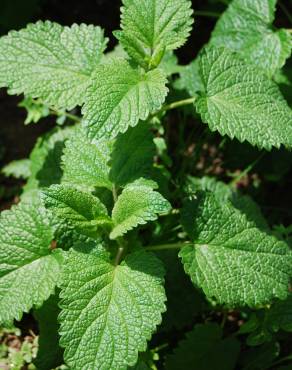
252 211
184 302
19 169
51 62
190 79
169 64
132 155
262 357
279 315
119 96
246 27
231 259
136 205
204 349
35 110
109 312
29 270
85 164
263 326
223 193
45 159
141 365
82 211
50 354
258 327
150 27
239 101
117 52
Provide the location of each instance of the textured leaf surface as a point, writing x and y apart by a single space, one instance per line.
224 193
279 316
204 349
45 159
232 260
190 79
109 313
19 169
119 96
149 27
50 354
240 101
246 27
86 165
83 212
132 155
28 269
51 62
263 324
137 204
169 63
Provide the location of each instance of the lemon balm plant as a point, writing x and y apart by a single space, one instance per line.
88 246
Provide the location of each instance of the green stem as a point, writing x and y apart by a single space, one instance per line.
162 346
283 359
203 13
59 113
115 193
161 247
285 11
246 171
178 104
122 250
224 319
122 247
119 255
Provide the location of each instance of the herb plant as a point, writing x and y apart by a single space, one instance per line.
102 218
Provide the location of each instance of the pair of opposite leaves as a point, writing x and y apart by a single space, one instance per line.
65 67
